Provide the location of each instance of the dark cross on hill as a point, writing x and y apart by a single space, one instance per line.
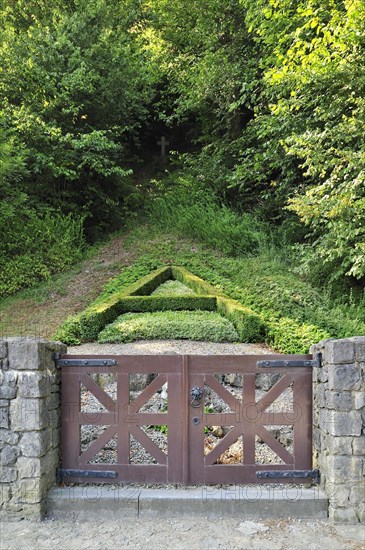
163 144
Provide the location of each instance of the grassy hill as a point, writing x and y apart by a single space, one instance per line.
295 314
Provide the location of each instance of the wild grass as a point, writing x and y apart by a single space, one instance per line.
198 216
173 288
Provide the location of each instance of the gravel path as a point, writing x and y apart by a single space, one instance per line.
166 347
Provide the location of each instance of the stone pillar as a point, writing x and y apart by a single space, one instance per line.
29 425
338 426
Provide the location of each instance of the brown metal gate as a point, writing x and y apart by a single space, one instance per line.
181 402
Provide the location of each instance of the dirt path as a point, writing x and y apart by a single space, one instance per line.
41 317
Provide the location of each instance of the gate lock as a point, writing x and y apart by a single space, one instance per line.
196 396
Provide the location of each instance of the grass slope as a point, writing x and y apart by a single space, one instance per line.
295 313
173 288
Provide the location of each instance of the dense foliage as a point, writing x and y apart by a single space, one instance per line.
278 91
268 96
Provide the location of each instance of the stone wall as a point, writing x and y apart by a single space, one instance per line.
338 426
29 425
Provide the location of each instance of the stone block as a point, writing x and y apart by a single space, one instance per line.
5 493
34 384
323 374
4 417
338 495
320 396
29 467
344 377
342 515
54 418
359 342
339 351
54 401
7 475
8 455
9 437
26 353
360 511
357 494
359 399
49 465
35 444
32 491
4 364
358 445
340 401
343 469
317 439
3 349
10 378
56 438
339 423
29 414
339 445
7 392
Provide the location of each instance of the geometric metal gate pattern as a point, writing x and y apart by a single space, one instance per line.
184 419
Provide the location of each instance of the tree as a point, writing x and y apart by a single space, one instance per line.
74 89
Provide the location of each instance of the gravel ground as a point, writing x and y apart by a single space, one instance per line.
166 347
188 533
180 533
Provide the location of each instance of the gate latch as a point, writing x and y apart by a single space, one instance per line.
196 396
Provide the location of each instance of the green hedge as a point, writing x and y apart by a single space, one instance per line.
249 325
134 298
196 325
87 325
195 283
149 283
165 303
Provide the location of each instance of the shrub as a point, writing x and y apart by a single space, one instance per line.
197 325
248 324
35 245
289 336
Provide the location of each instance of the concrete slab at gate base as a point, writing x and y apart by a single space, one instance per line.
236 501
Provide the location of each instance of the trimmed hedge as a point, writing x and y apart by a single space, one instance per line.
196 325
192 281
87 325
149 283
165 303
135 298
249 325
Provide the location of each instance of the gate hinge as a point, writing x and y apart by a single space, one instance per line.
290 474
315 362
65 362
